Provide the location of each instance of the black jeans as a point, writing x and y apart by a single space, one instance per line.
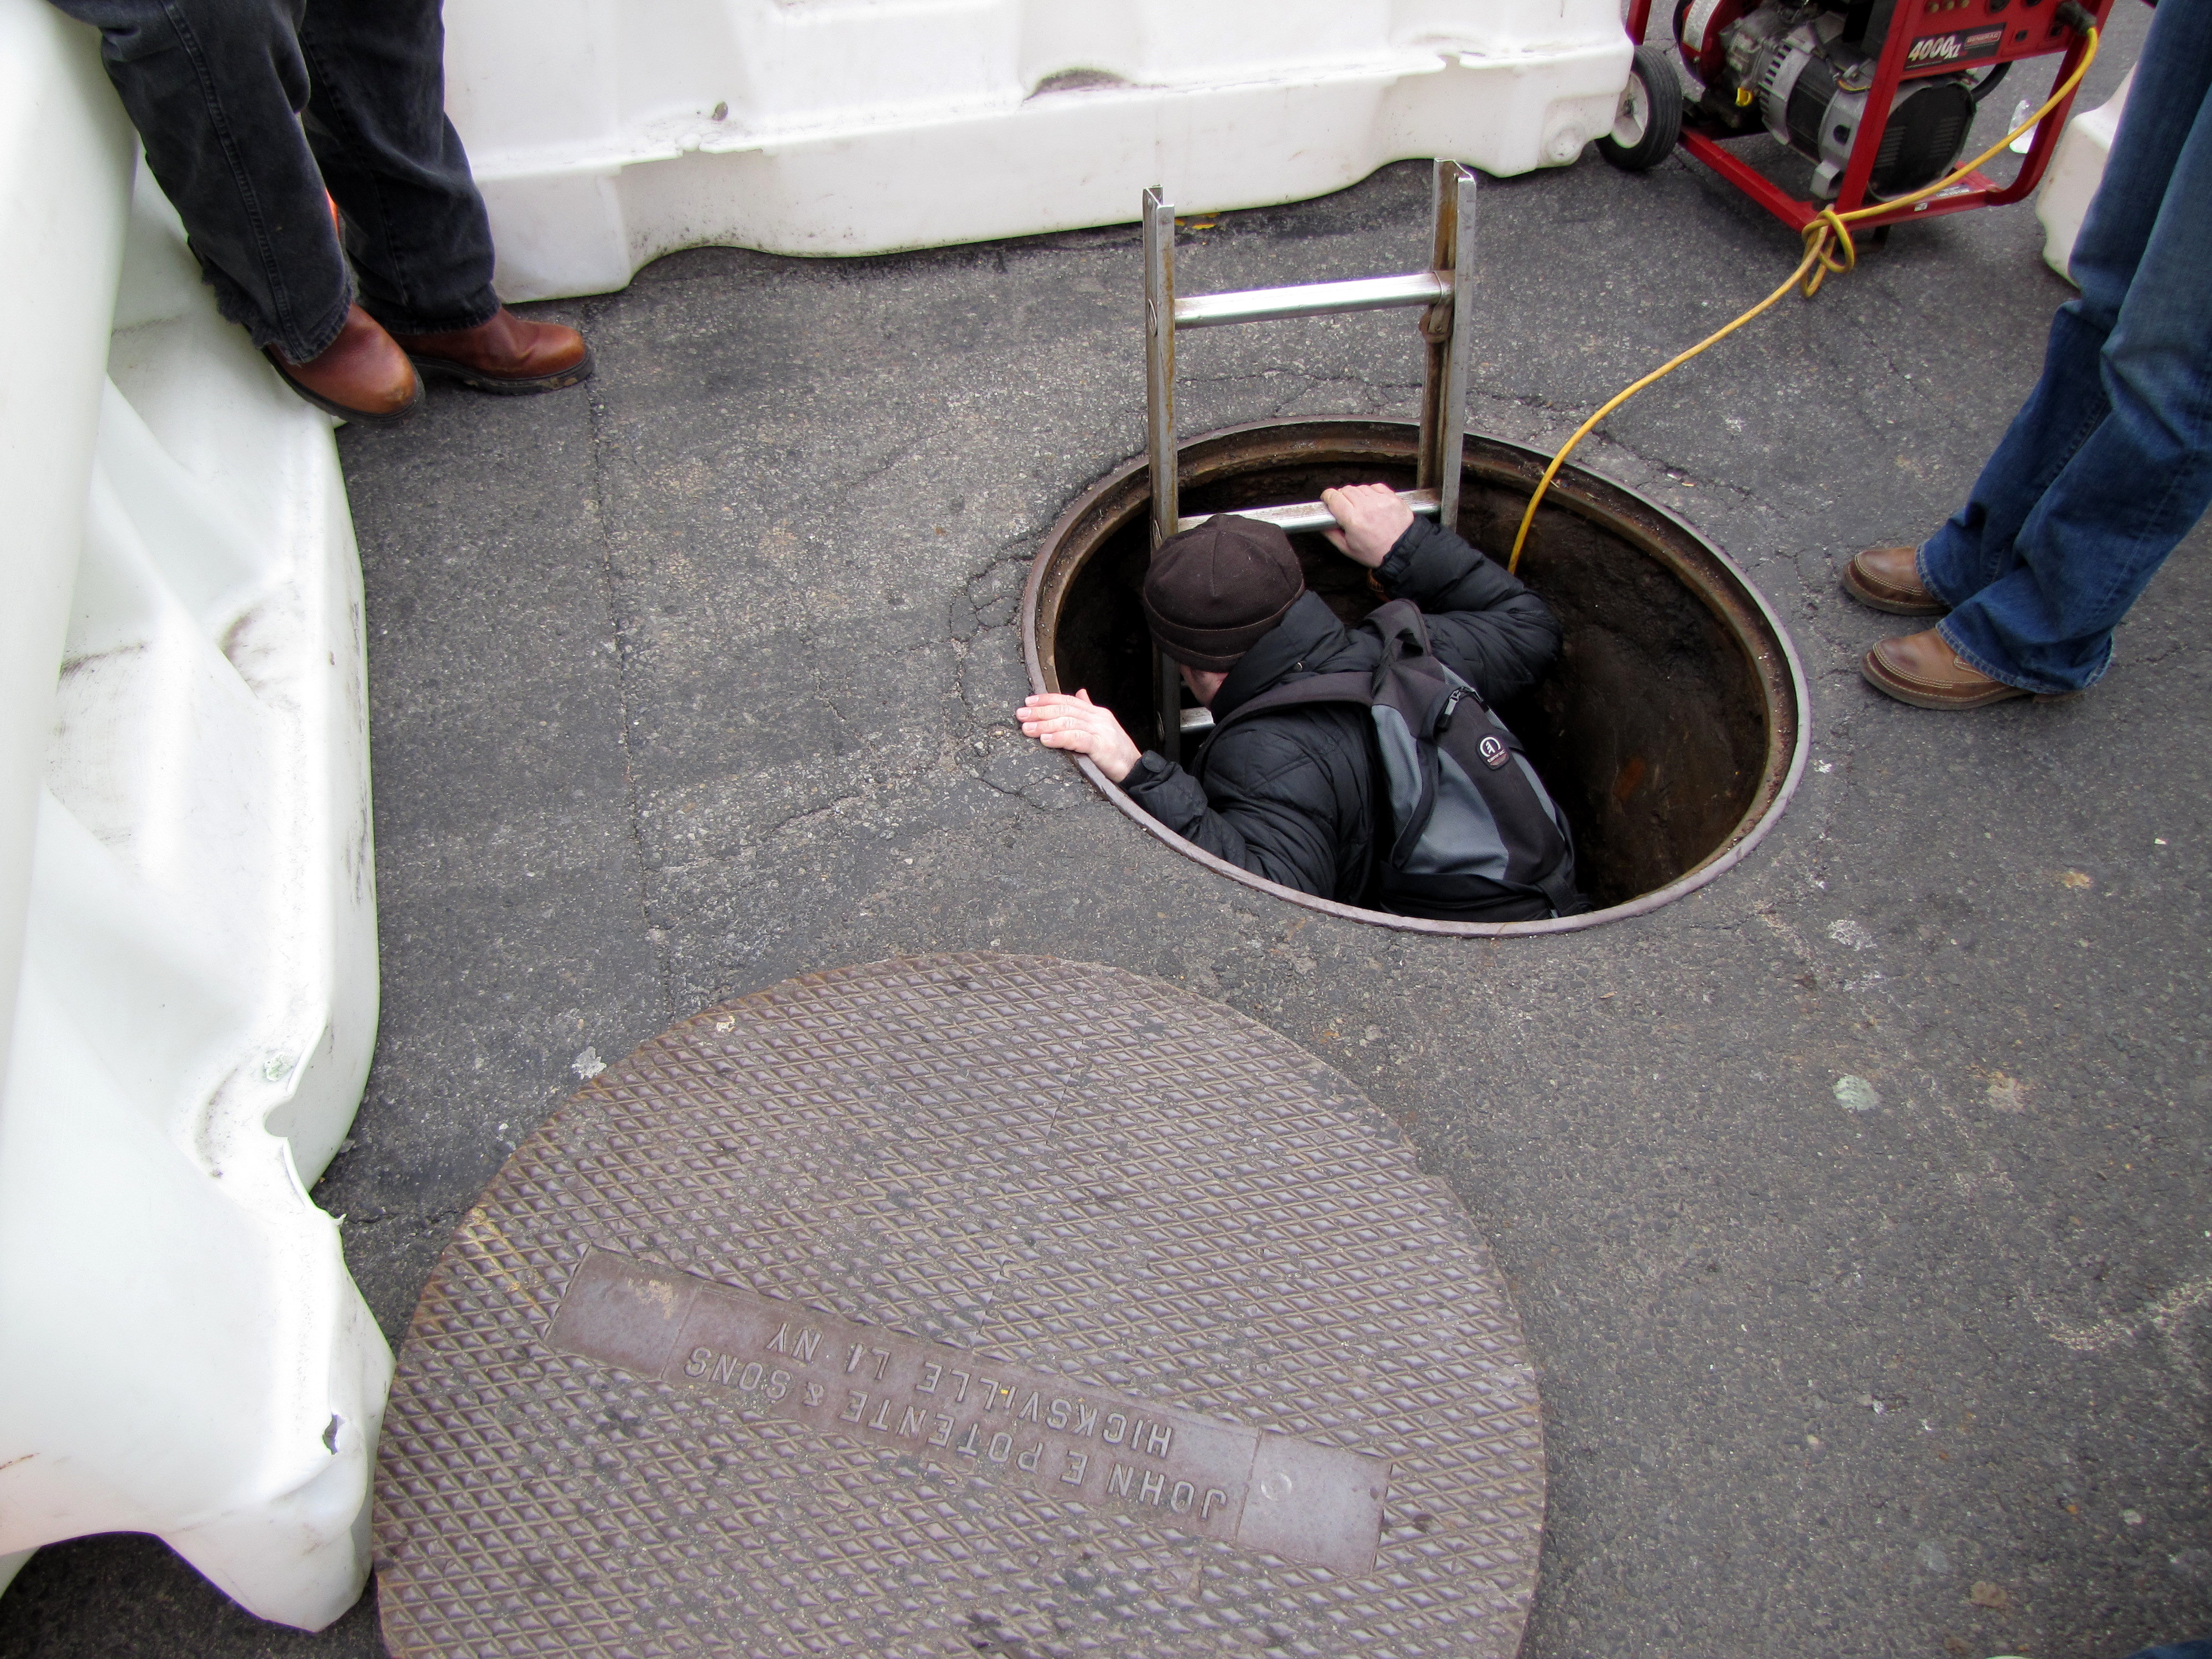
250 109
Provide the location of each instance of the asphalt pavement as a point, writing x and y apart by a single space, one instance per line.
1854 1207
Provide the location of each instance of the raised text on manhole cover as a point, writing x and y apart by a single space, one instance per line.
1319 1505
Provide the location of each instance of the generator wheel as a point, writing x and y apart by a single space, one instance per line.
1650 119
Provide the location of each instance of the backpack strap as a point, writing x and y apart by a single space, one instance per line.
1404 632
1354 687
1404 635
1560 890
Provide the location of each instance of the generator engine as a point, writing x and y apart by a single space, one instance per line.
1802 68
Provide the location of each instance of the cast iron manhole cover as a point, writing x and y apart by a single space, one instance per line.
959 1305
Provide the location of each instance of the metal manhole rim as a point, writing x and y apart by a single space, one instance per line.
1572 489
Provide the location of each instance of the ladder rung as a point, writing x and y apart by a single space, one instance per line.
1259 305
1312 515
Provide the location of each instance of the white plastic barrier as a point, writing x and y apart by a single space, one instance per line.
2076 169
187 929
607 132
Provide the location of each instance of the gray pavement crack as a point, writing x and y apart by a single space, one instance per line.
610 584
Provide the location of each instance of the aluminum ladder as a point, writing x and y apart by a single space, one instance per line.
1446 301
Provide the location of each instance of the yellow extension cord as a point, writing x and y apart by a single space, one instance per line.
1828 247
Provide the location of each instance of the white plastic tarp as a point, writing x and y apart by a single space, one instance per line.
187 933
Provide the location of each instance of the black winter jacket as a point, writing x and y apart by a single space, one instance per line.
1291 794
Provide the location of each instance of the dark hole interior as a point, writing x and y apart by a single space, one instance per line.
1650 731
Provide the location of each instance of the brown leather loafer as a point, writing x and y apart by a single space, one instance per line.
362 376
1888 578
1923 670
507 355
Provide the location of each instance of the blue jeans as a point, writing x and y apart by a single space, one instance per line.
2109 464
250 109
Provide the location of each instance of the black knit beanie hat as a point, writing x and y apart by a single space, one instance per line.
1214 591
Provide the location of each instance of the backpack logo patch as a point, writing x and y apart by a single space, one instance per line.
1494 751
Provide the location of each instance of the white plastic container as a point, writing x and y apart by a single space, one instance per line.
607 132
2077 168
187 931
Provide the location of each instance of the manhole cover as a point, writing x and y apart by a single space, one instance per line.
959 1305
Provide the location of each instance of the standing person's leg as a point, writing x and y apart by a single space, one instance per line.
214 87
2110 462
415 223
2142 478
376 119
1976 547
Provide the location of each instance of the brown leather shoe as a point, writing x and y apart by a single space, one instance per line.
1923 670
362 376
1888 578
506 354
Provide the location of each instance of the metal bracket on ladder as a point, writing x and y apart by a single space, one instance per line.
1445 293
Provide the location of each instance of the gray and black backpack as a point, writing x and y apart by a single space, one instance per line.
1475 835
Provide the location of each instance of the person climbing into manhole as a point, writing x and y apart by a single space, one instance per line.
1344 762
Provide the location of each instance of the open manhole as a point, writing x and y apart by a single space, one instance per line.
1671 731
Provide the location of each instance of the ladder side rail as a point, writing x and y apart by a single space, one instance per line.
1159 360
1451 426
1435 321
1160 447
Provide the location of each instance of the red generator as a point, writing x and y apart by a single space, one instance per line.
1880 95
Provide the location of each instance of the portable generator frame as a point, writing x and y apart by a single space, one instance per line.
2030 29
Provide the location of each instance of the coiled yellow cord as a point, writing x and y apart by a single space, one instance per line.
1828 247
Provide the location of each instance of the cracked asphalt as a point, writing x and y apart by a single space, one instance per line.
1854 1207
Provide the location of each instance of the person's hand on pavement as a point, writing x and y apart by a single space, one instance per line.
1060 721
1371 518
